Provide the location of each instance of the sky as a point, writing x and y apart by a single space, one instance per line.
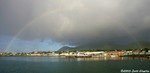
47 25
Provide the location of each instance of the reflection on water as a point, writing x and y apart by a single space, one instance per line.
34 59
99 59
93 59
62 59
104 59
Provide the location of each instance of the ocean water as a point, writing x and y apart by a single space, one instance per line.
73 65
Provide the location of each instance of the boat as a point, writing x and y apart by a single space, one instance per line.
79 55
113 56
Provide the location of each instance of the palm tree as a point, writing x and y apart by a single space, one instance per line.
145 50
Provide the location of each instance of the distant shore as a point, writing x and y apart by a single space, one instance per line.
85 54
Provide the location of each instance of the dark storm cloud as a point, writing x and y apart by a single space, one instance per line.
76 22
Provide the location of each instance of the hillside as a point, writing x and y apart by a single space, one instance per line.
108 46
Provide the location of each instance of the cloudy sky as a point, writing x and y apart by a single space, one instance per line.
30 25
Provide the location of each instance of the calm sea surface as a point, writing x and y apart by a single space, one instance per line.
72 65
